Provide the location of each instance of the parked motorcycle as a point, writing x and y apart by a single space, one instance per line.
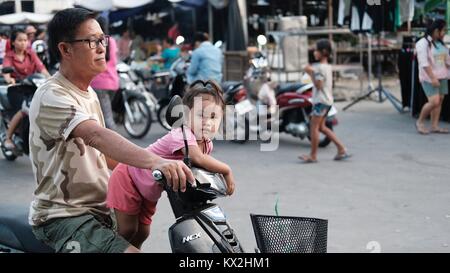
20 139
293 101
132 105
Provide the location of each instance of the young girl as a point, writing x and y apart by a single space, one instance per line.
321 75
133 193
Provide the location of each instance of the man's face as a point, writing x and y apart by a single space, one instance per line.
84 59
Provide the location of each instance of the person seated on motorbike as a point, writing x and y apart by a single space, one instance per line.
25 63
133 192
170 53
206 60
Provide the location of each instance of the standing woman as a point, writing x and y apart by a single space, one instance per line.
434 62
106 83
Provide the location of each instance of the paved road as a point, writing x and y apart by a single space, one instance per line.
394 192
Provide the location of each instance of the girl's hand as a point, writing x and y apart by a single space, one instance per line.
230 183
435 82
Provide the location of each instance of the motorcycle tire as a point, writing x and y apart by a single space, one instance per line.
146 117
325 141
162 114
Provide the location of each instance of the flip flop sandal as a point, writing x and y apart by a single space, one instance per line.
340 157
421 130
440 131
306 159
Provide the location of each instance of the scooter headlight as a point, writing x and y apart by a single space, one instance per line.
215 214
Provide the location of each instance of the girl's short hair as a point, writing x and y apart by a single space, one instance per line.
200 87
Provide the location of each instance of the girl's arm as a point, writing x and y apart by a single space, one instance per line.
211 164
207 162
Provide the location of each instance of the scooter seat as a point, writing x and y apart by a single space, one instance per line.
289 87
229 85
15 232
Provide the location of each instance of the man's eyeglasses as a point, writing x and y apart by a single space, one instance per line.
93 43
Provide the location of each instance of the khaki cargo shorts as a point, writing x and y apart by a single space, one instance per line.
82 234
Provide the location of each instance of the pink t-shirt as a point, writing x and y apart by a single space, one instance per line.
109 79
168 147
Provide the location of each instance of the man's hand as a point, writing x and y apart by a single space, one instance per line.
175 172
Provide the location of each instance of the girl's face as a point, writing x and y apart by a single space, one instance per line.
438 34
205 117
317 55
21 41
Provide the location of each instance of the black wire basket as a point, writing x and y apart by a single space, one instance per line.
287 234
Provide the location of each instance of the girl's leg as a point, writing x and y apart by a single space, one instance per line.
432 104
332 136
127 225
314 125
435 115
141 235
13 124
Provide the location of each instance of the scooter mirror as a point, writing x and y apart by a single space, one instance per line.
174 114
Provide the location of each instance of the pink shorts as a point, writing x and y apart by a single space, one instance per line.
124 197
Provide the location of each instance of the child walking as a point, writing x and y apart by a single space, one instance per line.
133 193
322 77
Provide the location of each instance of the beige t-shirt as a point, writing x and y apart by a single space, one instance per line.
71 177
324 73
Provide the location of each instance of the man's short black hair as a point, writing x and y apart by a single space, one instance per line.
201 37
63 27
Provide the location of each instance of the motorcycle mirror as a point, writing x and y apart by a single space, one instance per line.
7 69
179 40
174 113
262 40
218 44
175 118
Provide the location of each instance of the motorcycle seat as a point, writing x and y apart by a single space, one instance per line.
15 232
290 87
229 85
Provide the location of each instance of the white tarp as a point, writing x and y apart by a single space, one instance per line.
111 4
25 17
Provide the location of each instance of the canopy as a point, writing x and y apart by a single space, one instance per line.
111 4
24 18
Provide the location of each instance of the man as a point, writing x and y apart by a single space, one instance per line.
206 60
71 150
30 30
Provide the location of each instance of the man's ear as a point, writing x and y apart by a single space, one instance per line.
64 49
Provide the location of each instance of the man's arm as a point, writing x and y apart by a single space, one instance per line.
116 147
193 66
